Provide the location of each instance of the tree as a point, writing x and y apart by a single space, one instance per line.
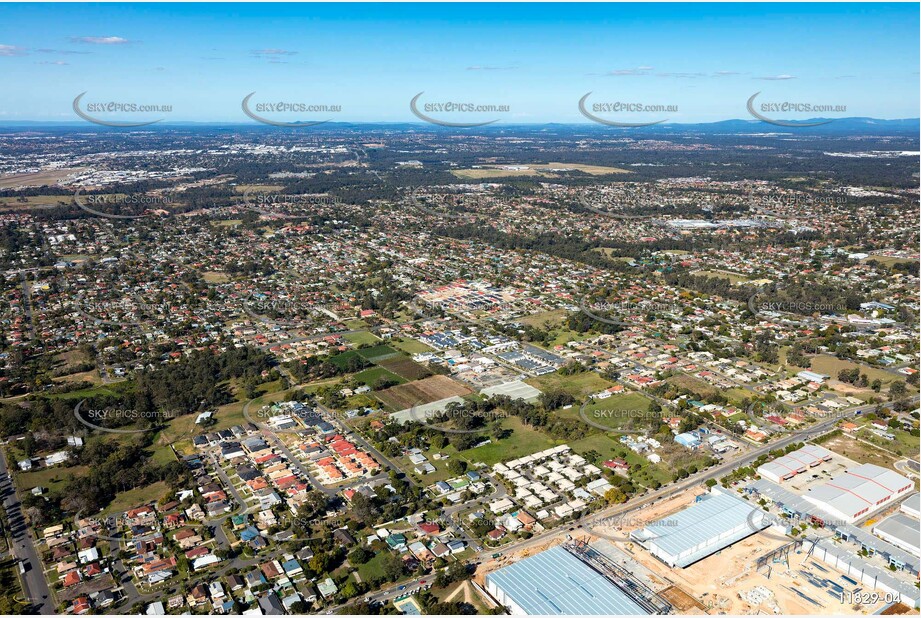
456 466
896 389
360 555
391 567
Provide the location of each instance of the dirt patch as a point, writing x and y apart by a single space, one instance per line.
680 599
858 451
422 391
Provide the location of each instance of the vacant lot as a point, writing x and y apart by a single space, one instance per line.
422 391
38 179
378 353
580 385
371 376
405 368
410 346
830 366
546 170
861 452
523 441
362 338
695 385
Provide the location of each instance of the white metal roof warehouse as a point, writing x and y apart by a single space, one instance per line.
714 522
797 462
859 491
554 582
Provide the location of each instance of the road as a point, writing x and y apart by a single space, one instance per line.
626 508
34 585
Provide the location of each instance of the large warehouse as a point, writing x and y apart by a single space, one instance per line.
555 582
786 467
859 491
900 530
714 522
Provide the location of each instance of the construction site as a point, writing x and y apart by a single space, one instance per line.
764 573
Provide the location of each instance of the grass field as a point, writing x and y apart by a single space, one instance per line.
340 360
695 385
405 368
625 411
422 391
545 170
211 276
722 274
136 497
362 338
37 179
370 376
54 479
861 452
523 441
378 353
580 385
410 346
830 366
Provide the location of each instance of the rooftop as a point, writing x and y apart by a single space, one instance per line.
554 582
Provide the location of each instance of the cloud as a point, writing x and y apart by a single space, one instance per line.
630 72
273 52
726 73
776 78
489 68
100 40
682 75
65 52
12 50
59 63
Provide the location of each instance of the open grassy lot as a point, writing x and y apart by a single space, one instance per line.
378 353
362 338
340 360
579 386
369 377
54 479
405 367
410 346
695 385
546 170
135 497
37 179
722 274
830 366
523 441
545 318
861 452
626 411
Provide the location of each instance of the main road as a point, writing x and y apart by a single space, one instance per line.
35 588
618 511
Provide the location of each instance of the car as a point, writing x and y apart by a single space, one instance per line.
421 581
402 588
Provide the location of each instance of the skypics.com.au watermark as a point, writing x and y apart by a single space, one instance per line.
132 201
759 306
760 110
104 112
287 204
620 420
259 111
616 312
423 111
91 417
592 110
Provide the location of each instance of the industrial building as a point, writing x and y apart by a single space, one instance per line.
900 530
912 505
859 491
799 461
515 390
556 582
715 521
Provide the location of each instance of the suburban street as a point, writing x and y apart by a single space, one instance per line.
33 581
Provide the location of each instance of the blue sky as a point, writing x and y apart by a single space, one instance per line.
538 59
